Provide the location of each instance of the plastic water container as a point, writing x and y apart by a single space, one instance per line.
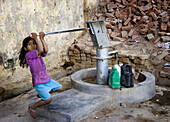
114 78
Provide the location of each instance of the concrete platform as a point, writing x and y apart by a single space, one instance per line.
72 105
142 91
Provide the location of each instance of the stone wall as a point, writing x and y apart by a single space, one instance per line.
18 18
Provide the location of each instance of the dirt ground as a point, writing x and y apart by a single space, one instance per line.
155 110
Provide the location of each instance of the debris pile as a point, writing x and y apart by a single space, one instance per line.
127 18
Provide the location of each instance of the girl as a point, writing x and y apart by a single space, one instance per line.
31 55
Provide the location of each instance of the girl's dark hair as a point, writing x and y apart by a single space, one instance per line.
22 60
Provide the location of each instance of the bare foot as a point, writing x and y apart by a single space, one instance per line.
33 113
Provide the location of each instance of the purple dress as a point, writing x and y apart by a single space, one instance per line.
37 67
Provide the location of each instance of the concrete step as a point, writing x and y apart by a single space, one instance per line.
72 105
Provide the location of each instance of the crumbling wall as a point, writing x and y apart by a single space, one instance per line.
18 18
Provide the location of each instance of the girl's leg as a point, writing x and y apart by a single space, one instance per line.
36 105
58 90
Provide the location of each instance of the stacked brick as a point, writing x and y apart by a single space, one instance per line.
165 73
147 17
82 53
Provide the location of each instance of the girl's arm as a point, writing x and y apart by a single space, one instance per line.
39 46
42 35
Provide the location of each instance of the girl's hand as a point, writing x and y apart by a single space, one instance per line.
34 36
42 35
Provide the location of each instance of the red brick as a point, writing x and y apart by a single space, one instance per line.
71 48
156 11
113 22
76 51
154 16
101 18
80 46
109 19
144 19
145 8
99 14
162 33
164 14
159 1
144 31
150 19
127 28
168 75
132 1
130 10
119 26
143 25
134 10
167 69
134 37
127 21
163 74
150 37
131 32
164 27
113 27
114 34
156 23
109 15
162 55
133 5
125 2
103 9
108 25
123 16
111 6
159 6
124 34
165 5
165 38
117 14
157 40
168 24
150 24
137 17
167 58
134 20
119 1
109 31
87 50
102 3
111 11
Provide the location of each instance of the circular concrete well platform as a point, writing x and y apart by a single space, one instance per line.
142 91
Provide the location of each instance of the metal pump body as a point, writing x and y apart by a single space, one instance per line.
100 39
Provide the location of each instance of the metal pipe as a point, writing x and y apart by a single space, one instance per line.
64 31
102 65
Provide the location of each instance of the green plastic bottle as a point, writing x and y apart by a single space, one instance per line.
114 78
